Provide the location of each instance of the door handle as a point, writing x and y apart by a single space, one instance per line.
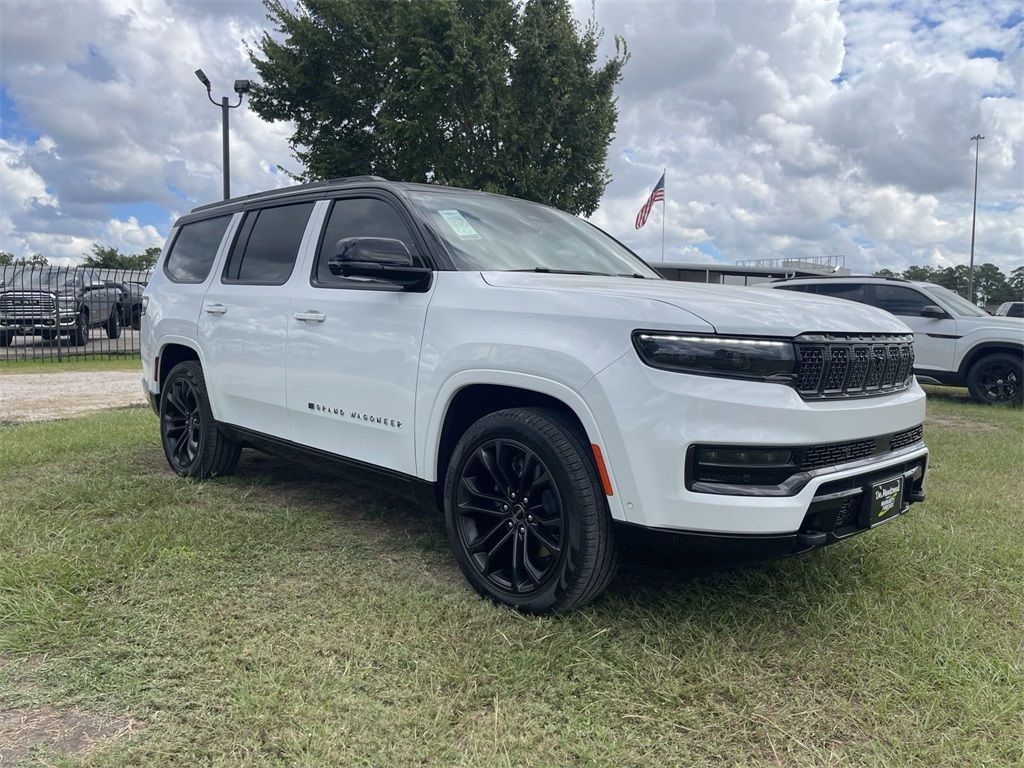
310 316
215 309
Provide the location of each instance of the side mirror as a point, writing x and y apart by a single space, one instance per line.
380 258
934 311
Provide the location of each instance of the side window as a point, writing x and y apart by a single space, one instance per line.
267 245
849 291
800 288
900 301
360 217
194 249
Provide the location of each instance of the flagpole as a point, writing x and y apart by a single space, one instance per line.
663 193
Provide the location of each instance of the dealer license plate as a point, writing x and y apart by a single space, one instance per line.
886 500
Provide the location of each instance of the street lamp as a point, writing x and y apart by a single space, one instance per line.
241 88
977 139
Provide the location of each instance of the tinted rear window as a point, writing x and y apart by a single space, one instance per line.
267 245
850 291
194 249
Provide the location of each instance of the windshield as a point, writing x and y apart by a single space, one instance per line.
41 280
955 302
489 232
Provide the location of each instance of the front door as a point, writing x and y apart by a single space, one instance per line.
243 324
354 345
934 338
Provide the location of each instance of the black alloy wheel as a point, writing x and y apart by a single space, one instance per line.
192 441
526 512
510 516
114 325
997 379
181 424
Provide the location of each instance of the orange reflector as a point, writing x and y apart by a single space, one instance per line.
602 470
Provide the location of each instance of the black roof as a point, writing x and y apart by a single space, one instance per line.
297 189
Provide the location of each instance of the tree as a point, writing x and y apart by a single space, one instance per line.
924 274
111 258
990 284
489 94
1016 282
6 258
885 273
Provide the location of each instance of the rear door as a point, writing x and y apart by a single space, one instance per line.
354 344
243 325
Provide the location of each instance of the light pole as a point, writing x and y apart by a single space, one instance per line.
977 139
241 88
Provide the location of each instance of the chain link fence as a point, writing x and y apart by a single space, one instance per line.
66 313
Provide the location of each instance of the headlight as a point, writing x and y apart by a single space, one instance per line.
730 356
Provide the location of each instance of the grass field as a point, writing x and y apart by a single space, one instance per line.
289 617
120 363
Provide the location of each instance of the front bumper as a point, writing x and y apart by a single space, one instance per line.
654 417
37 323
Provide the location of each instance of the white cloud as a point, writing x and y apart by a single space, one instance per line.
788 128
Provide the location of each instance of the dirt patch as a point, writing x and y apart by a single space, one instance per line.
956 422
45 396
70 731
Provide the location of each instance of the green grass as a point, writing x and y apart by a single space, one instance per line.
284 617
119 363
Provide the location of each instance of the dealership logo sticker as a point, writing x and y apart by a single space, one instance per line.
887 495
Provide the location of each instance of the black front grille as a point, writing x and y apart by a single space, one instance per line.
838 366
906 437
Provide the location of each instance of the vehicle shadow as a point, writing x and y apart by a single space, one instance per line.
647 577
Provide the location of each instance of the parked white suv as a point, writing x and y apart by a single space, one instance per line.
955 342
530 375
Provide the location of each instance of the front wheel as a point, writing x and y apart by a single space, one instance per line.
80 334
526 514
193 443
997 379
114 325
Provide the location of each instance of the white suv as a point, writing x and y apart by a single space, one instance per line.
955 342
530 375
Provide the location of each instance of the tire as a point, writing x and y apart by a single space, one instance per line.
192 441
48 335
997 378
113 325
551 554
6 338
80 334
136 321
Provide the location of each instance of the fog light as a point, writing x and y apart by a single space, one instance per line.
744 456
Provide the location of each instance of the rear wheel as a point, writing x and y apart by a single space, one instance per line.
193 442
997 379
526 514
6 338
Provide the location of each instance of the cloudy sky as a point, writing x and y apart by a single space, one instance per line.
788 128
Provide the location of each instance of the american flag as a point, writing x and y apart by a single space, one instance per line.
658 193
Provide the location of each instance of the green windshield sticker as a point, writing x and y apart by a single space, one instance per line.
459 225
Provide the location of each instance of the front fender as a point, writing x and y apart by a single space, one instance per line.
432 421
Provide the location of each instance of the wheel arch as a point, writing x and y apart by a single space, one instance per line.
169 354
985 348
467 397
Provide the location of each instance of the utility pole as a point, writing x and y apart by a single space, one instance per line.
977 139
241 88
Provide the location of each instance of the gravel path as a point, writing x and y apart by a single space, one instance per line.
43 396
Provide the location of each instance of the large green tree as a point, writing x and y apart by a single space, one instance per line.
111 258
490 94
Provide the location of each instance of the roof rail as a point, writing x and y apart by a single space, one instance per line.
841 277
296 189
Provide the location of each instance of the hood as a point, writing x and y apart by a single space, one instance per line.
1010 327
729 309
